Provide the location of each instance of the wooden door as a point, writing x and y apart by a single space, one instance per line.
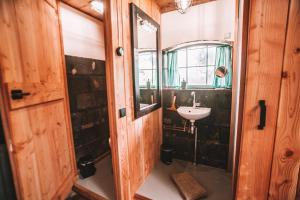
286 159
38 127
266 42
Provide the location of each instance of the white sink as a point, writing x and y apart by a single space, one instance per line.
193 114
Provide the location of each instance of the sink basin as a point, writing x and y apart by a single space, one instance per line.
193 114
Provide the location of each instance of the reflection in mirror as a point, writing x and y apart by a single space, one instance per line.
145 32
147 77
147 57
221 72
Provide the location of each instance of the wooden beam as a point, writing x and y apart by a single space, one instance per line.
86 193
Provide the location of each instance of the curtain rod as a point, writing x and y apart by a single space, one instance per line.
185 44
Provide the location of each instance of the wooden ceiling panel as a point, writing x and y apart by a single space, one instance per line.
169 5
84 6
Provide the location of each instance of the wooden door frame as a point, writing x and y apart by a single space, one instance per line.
241 44
111 60
111 109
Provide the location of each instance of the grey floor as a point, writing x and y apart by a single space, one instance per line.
159 186
102 182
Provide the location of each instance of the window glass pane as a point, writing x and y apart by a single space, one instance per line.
154 78
197 56
154 60
182 74
211 55
210 75
181 58
145 60
144 76
197 76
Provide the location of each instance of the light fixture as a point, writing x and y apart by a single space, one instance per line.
98 6
183 5
146 25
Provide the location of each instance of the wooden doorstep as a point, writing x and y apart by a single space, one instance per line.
87 193
140 197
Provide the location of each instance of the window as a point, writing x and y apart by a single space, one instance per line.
147 69
196 65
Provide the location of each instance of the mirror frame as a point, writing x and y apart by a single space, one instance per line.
138 112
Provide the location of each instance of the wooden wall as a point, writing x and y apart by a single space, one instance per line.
144 134
137 141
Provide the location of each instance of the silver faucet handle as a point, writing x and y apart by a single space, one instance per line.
197 104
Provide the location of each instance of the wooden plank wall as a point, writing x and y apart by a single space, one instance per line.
137 141
144 134
286 159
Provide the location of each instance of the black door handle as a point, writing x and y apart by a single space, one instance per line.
263 114
18 94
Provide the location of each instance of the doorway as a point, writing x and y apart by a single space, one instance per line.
84 49
207 40
7 190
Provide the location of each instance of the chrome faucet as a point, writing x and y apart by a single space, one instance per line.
194 99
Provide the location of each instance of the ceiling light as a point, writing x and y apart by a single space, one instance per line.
98 6
183 5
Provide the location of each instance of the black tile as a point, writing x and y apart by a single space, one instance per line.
88 105
213 131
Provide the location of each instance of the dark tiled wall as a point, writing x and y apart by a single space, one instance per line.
145 95
213 131
88 103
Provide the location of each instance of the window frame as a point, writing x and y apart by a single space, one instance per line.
186 47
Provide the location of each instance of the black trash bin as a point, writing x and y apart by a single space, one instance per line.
86 166
166 153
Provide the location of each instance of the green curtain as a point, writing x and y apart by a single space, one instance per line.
223 58
165 69
172 80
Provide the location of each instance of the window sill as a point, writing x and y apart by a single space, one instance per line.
198 88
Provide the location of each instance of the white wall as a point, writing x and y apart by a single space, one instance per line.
210 21
83 35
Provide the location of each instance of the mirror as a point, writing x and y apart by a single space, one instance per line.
145 60
221 72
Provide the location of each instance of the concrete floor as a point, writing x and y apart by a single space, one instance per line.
159 186
102 183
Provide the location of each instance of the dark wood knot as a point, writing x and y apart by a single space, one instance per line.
289 153
284 74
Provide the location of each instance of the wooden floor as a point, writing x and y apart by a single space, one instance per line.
159 186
